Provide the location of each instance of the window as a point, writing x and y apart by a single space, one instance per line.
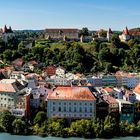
64 103
53 103
1 98
80 109
85 103
74 109
64 108
90 109
4 98
74 103
90 104
69 109
53 108
60 103
69 103
85 109
59 109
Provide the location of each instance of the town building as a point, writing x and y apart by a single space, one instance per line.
109 80
72 103
102 108
50 70
127 79
7 33
130 34
113 106
61 34
137 92
19 75
14 98
126 110
129 96
60 71
109 34
22 106
18 63
95 81
137 111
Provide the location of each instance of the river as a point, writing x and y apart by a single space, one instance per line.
5 136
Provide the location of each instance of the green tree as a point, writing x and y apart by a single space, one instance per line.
40 118
19 126
84 31
56 127
6 120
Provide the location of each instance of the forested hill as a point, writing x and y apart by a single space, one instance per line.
89 57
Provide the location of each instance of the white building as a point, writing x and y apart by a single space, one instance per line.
71 102
19 75
60 71
137 92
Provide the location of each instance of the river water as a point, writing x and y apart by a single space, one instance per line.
5 136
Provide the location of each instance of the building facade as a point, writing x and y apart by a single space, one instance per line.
71 102
61 34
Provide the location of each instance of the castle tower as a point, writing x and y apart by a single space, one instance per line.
5 29
81 38
109 34
126 31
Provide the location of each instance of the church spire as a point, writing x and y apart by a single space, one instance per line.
5 29
126 31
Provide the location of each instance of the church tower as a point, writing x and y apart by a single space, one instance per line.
109 34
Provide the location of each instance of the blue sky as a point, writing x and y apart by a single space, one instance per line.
94 14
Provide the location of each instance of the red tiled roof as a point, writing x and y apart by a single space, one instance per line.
7 87
134 31
109 99
18 62
72 93
137 89
10 85
108 89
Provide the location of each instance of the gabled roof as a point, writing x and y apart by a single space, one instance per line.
109 99
9 85
18 62
108 89
72 93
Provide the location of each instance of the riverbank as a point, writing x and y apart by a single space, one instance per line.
56 127
6 136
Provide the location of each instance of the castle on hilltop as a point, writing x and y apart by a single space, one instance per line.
130 34
6 33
